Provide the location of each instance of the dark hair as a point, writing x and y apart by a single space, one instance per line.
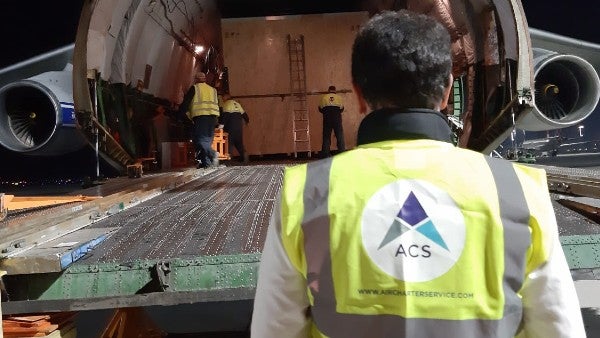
402 59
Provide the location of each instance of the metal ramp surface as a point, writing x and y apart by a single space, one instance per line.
223 213
200 242
576 201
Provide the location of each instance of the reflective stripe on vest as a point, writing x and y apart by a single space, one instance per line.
205 101
316 226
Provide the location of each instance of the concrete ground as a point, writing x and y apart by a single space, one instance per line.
588 292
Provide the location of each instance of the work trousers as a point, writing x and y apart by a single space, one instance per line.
236 137
332 121
204 133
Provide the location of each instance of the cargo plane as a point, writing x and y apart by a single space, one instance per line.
116 89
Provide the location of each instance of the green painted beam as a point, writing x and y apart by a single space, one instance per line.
140 277
582 251
212 277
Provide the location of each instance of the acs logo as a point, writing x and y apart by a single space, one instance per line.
413 230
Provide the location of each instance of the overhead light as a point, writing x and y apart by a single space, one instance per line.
198 49
275 17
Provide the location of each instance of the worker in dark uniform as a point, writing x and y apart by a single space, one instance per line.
331 107
200 104
233 119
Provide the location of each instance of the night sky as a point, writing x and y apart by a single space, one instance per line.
29 28
575 18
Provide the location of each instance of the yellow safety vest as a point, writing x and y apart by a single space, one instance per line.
331 100
205 101
232 106
415 237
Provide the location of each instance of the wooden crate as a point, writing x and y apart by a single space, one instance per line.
221 144
182 154
135 170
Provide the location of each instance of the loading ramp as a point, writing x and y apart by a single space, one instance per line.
199 242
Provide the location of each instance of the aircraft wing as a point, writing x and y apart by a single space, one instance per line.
566 45
55 60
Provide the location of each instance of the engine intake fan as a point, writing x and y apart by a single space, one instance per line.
567 90
36 116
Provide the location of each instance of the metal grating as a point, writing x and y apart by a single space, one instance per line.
224 213
201 242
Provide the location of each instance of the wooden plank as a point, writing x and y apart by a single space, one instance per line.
27 202
52 325
29 331
25 235
68 331
27 319
58 254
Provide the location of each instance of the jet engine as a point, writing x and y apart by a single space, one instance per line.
37 115
567 90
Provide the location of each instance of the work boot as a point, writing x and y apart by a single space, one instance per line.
197 159
215 160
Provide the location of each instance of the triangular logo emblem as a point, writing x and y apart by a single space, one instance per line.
412 216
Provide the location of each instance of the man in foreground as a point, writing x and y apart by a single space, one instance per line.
408 235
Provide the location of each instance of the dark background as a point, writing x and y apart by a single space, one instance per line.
29 28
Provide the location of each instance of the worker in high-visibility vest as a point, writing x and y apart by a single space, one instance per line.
200 104
233 118
332 106
408 235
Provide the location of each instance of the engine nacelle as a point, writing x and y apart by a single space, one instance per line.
37 115
567 90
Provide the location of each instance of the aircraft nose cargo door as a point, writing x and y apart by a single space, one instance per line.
491 61
142 56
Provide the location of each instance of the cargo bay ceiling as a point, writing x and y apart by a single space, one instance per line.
158 42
